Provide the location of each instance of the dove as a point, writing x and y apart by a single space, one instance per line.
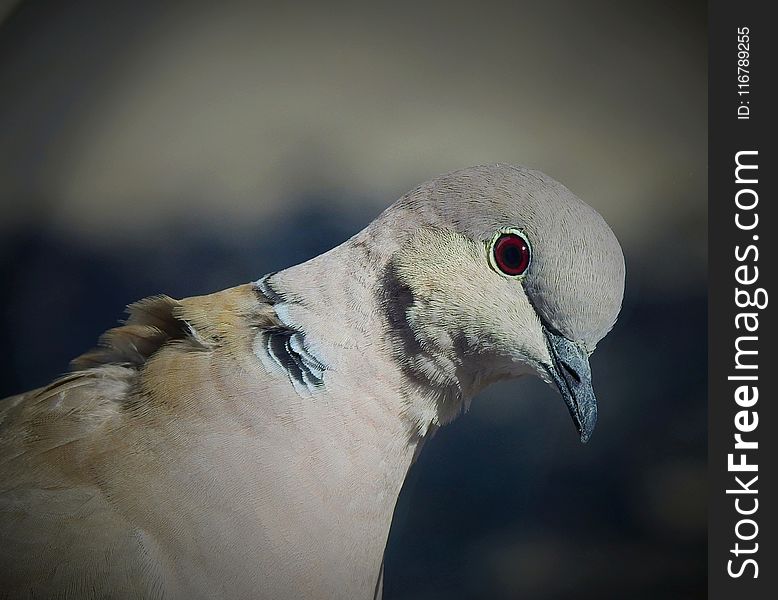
252 443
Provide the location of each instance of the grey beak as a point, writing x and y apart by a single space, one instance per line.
572 374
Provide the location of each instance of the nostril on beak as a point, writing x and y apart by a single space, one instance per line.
571 371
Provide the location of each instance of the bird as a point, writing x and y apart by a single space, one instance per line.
252 443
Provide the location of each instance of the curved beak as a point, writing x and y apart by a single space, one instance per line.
572 375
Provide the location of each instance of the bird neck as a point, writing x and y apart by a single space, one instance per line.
361 379
353 314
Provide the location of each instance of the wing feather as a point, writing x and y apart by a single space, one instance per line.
59 525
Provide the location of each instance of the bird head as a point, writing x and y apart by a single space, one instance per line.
506 274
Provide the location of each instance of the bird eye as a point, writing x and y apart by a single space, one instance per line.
510 253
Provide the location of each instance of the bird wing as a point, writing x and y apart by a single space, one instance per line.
57 513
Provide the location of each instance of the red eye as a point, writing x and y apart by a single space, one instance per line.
511 254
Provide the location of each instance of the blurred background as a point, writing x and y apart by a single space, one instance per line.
184 147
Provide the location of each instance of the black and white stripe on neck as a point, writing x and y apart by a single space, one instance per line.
284 347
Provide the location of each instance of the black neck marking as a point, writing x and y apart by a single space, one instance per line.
286 345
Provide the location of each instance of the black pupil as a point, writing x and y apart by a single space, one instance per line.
511 256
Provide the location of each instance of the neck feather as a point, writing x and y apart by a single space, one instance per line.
347 311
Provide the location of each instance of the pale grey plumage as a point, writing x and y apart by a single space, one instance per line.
252 443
